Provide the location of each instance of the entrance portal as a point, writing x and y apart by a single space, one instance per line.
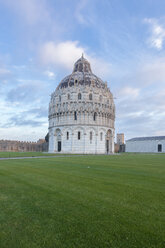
109 141
59 146
107 145
58 142
159 148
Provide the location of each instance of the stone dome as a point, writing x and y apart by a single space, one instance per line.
83 74
81 113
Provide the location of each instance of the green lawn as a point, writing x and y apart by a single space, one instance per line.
83 202
25 154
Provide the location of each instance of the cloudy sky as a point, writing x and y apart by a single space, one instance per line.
41 39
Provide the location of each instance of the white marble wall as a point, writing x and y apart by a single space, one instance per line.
85 145
144 146
61 116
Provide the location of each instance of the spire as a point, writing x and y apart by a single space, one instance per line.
82 56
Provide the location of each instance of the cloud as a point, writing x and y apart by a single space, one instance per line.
143 115
100 67
157 36
21 121
152 72
5 74
148 72
14 116
27 91
19 67
41 112
140 103
64 55
32 11
129 92
4 71
49 74
81 5
82 13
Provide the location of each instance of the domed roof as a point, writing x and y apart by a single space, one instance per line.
82 65
82 75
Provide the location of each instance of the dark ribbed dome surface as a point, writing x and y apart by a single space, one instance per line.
82 75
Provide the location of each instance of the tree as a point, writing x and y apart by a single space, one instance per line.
47 137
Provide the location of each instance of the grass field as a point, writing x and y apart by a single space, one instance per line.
83 202
25 154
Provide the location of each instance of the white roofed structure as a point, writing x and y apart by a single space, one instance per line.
153 144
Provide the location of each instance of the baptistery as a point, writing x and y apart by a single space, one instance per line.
82 114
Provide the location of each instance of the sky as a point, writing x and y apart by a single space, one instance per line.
40 40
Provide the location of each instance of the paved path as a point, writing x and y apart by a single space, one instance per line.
42 157
61 156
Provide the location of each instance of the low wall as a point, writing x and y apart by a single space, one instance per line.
21 146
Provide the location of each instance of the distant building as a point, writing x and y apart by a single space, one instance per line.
82 113
146 144
120 145
120 138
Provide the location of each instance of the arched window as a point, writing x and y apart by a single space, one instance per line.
101 136
90 137
79 135
67 135
101 98
94 117
76 81
68 96
75 115
90 96
79 96
59 98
